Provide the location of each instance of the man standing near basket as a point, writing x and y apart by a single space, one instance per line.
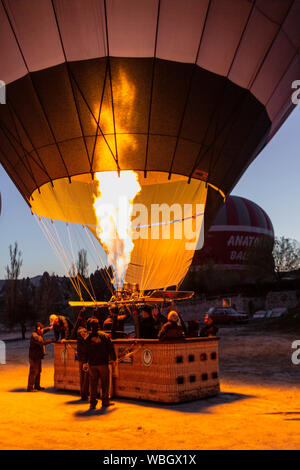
36 354
99 350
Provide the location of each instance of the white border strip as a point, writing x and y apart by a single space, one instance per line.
241 228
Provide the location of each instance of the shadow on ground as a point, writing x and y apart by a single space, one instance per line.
198 406
94 413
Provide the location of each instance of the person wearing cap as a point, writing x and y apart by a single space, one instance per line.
172 329
36 354
99 349
144 323
209 328
62 327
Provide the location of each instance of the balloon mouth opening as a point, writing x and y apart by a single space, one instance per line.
145 229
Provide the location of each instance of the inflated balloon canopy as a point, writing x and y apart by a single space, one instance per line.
189 91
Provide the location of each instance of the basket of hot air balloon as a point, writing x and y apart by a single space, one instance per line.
131 121
169 372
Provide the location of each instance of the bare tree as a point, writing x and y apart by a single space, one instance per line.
78 272
11 288
82 264
286 255
14 268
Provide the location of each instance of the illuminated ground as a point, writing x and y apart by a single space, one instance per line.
258 408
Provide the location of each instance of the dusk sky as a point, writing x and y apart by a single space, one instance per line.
272 181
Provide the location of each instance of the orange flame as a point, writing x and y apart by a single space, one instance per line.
114 202
113 207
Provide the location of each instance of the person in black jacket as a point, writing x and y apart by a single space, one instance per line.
62 327
172 329
36 354
209 329
145 324
82 335
99 350
115 322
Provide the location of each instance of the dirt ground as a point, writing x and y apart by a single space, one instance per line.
258 407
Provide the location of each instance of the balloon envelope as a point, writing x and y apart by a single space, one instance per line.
188 92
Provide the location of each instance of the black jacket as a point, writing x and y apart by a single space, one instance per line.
37 345
82 335
171 330
99 349
208 330
147 328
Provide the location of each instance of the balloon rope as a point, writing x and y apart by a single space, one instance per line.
79 278
92 256
51 241
72 269
89 278
63 251
109 284
85 287
91 252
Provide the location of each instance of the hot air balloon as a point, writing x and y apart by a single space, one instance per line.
181 95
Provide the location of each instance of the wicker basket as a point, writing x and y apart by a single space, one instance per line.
169 372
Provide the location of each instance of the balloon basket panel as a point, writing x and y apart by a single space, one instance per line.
168 372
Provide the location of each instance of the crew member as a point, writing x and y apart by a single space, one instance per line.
172 329
99 350
62 327
145 324
36 354
115 322
80 320
100 314
209 328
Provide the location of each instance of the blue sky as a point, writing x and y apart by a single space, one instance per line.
272 181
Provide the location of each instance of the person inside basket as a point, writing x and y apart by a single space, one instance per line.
144 323
209 328
115 322
172 329
62 327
